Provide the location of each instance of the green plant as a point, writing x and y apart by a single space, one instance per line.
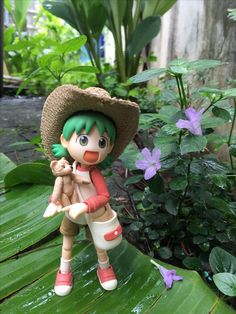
49 58
185 207
133 25
223 266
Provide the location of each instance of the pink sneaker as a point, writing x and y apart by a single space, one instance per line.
107 278
63 284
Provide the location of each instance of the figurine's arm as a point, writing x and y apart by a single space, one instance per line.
101 199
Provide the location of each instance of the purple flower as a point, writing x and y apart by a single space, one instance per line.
169 276
193 124
150 162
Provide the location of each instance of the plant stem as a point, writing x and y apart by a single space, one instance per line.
183 91
187 186
180 93
230 136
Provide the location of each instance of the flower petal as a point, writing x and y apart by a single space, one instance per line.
168 282
192 113
177 278
142 164
183 124
156 154
146 153
150 172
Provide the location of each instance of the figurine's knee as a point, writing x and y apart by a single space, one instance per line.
67 247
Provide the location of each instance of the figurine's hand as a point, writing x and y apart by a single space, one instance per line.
51 210
75 210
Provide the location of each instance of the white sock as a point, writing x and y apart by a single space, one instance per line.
104 265
65 266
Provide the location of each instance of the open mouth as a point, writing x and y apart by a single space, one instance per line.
91 156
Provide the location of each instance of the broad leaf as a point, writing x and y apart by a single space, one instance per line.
178 184
29 280
20 13
153 7
226 283
6 165
222 262
192 143
147 75
73 44
143 34
133 179
129 156
37 173
221 113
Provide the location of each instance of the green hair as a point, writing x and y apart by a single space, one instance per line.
85 120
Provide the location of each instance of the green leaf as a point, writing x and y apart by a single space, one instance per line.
146 75
129 157
219 180
46 60
27 80
178 66
156 184
133 179
73 44
147 120
221 261
8 165
20 13
30 173
82 68
22 222
64 10
7 5
200 65
178 184
192 143
171 206
153 7
221 113
167 113
164 252
143 34
192 263
226 283
170 129
151 297
229 93
96 17
211 122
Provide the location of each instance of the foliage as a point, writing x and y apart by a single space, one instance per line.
49 58
232 14
223 266
139 20
187 207
28 272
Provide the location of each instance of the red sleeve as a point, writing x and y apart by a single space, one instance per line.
101 199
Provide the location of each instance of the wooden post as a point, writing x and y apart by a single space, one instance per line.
1 45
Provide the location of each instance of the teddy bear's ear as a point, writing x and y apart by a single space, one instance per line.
53 164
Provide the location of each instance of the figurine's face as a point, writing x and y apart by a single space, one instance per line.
88 149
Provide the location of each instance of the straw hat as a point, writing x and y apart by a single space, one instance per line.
66 100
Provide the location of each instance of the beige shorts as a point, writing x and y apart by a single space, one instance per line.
71 229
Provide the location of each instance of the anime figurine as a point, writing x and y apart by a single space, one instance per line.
89 129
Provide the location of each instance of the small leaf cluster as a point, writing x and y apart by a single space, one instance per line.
188 207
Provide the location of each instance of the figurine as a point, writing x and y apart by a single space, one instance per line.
89 129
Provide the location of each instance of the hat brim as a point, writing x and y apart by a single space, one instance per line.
66 100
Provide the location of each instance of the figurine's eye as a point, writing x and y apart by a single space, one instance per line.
102 142
83 140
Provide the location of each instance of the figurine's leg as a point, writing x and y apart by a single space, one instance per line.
105 271
63 284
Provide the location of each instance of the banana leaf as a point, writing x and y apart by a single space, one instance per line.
28 273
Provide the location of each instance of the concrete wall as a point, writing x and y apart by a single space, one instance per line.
198 29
